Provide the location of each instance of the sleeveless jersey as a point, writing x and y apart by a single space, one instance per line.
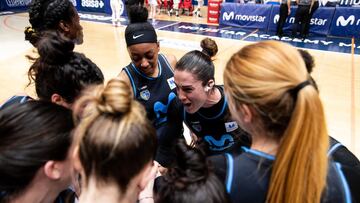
215 128
350 166
246 176
158 97
15 100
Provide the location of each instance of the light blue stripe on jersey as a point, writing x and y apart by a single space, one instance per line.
333 148
230 167
258 153
344 183
167 62
218 115
132 81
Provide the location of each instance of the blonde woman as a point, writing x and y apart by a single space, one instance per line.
271 96
114 145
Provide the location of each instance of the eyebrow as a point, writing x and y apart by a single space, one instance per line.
184 86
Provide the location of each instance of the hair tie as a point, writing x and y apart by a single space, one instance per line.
294 91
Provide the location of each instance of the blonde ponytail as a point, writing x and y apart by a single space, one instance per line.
262 75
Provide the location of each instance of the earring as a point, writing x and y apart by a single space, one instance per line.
207 88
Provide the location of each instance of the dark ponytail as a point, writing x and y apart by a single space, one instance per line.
60 70
191 180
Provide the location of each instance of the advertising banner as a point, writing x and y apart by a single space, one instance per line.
213 11
19 5
346 22
319 23
245 15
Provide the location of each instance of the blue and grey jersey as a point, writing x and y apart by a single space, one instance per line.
15 100
247 174
215 127
158 95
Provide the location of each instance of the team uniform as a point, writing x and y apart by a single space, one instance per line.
350 166
158 97
15 100
246 176
216 131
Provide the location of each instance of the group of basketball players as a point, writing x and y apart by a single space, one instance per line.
260 137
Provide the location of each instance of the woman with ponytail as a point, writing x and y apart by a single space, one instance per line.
59 74
114 145
53 15
272 98
206 111
190 181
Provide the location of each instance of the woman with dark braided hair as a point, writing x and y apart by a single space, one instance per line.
57 15
59 73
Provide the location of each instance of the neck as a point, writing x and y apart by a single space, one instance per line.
107 192
39 191
213 98
263 142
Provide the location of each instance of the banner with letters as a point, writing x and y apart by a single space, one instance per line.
97 6
319 23
245 15
19 5
346 22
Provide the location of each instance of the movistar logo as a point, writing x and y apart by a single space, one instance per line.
313 21
344 22
228 16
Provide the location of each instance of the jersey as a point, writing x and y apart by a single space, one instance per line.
215 128
15 100
158 95
350 166
246 176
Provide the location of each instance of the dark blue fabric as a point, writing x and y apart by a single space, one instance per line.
158 95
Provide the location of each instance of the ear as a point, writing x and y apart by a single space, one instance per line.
246 112
148 175
64 26
52 170
211 83
76 160
57 99
158 46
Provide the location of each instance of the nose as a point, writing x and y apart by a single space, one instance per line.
181 95
144 62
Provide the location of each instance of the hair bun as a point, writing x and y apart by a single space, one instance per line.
138 14
54 48
115 98
209 47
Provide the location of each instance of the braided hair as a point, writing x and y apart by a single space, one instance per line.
46 15
60 70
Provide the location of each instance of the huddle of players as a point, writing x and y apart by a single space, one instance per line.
263 131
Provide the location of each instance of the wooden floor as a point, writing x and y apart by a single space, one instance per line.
339 83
